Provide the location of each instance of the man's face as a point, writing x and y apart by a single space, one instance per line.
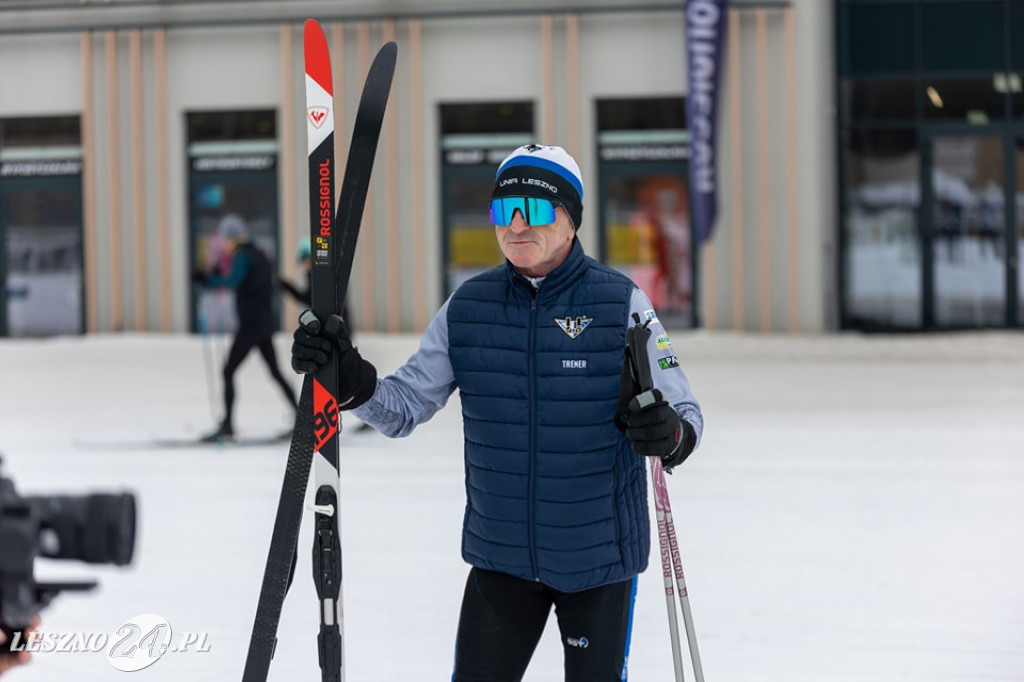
535 251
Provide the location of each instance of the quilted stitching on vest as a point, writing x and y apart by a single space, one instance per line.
553 490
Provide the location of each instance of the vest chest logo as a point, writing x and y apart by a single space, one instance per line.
574 326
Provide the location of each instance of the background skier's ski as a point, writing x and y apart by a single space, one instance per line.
318 424
178 442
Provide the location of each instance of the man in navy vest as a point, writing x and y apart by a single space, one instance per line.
556 495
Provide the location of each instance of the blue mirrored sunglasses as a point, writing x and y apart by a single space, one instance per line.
535 211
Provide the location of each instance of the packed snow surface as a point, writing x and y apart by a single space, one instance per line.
853 513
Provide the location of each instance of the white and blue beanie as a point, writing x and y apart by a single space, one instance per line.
542 171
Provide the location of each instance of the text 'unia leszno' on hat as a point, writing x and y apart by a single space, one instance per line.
543 171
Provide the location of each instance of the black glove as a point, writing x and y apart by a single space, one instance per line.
655 429
199 277
312 345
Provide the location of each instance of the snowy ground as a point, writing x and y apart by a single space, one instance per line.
854 512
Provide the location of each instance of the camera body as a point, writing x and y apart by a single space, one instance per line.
97 528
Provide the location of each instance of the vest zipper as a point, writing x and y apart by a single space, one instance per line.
531 362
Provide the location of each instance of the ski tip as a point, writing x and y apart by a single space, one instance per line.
387 54
382 70
317 55
312 30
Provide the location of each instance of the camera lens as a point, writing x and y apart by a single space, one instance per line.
97 529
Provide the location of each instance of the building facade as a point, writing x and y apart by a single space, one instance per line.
931 159
127 130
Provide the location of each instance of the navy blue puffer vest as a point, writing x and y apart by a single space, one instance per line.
554 492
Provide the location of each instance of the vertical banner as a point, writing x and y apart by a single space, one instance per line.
705 49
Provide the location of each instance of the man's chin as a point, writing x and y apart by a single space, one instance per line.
517 253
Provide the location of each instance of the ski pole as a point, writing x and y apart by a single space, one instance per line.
641 368
208 352
666 566
664 509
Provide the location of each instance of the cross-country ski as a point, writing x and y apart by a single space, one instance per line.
333 237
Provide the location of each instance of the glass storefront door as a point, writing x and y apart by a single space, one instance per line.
1014 280
647 235
475 138
251 195
41 230
881 236
41 258
644 211
233 171
965 185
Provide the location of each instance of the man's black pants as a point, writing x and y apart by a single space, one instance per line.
503 617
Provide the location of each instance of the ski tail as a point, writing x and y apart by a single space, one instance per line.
277 574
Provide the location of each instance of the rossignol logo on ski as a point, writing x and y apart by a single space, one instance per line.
325 419
573 327
322 246
317 116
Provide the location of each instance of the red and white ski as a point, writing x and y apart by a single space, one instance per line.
333 236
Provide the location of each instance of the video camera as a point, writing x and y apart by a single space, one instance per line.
97 529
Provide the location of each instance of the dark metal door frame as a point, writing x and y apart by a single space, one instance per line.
1011 318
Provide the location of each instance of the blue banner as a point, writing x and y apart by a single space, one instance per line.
706 21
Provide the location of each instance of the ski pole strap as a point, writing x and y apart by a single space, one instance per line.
638 335
627 390
635 379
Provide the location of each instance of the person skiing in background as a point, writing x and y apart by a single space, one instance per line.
251 277
556 494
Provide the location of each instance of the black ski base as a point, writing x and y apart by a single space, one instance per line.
280 567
